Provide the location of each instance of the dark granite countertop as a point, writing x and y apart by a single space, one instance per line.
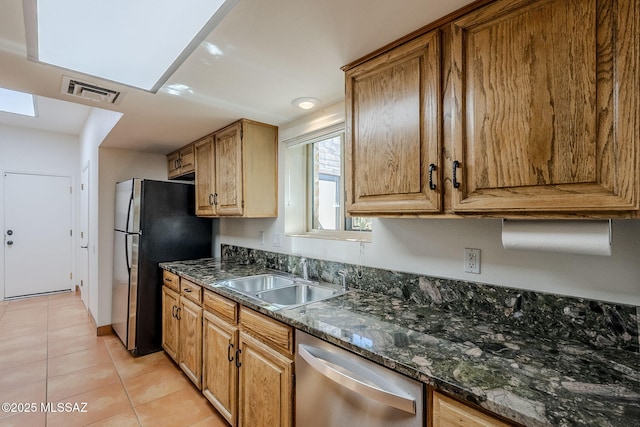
533 380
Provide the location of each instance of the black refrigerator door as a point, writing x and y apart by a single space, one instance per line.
170 231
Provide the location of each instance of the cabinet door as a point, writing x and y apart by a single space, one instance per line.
451 413
173 162
392 149
219 371
170 324
266 383
205 177
187 159
544 110
190 354
228 170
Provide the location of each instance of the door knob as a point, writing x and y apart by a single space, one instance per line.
9 242
9 232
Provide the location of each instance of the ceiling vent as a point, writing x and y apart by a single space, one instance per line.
90 91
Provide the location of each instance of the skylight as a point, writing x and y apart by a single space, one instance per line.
17 102
137 43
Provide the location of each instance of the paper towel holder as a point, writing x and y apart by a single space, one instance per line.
583 237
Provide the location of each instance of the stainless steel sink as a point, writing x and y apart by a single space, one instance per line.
296 295
279 291
259 283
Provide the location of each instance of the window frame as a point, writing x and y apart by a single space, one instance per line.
305 142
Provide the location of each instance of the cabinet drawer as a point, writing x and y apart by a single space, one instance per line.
221 306
170 280
279 335
191 291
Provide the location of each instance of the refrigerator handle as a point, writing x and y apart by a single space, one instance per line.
126 227
126 251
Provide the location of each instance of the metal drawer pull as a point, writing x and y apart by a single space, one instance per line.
323 362
432 167
187 290
456 165
238 364
229 357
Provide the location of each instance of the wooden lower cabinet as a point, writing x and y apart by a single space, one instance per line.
182 326
266 383
447 412
190 354
247 369
170 323
219 370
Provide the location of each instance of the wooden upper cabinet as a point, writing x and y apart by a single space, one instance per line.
237 171
181 163
228 170
393 130
205 176
544 111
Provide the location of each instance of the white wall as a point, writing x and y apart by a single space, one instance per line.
37 152
97 127
435 246
116 165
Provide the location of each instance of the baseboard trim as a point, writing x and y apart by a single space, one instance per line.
104 330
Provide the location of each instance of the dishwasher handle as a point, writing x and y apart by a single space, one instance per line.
387 397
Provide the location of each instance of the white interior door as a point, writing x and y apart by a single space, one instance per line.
37 234
83 253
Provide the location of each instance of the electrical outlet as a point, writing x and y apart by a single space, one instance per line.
472 261
277 240
261 237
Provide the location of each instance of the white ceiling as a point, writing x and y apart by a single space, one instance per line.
272 51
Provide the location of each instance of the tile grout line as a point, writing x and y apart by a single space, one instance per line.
124 387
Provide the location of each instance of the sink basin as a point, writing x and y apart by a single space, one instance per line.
258 283
296 295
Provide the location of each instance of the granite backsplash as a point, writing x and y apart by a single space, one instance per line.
601 325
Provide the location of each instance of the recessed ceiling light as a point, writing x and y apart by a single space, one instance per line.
137 43
15 102
305 103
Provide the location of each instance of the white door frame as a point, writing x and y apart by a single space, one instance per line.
84 272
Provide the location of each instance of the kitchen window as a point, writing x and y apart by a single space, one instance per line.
315 184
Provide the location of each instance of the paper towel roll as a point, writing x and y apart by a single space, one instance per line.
575 237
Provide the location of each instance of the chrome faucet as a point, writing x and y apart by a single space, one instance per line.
343 276
305 270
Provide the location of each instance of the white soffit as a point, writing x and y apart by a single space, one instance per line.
137 43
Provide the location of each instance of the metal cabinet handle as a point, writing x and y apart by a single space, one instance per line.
215 199
9 242
173 311
178 313
210 199
229 357
456 165
187 290
238 364
432 168
322 360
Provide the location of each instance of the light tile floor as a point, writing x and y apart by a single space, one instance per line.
50 354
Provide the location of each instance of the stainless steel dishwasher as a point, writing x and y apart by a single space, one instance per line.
335 387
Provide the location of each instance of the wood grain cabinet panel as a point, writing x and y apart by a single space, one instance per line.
265 385
190 354
181 162
170 324
237 171
393 130
205 176
219 369
447 412
545 104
